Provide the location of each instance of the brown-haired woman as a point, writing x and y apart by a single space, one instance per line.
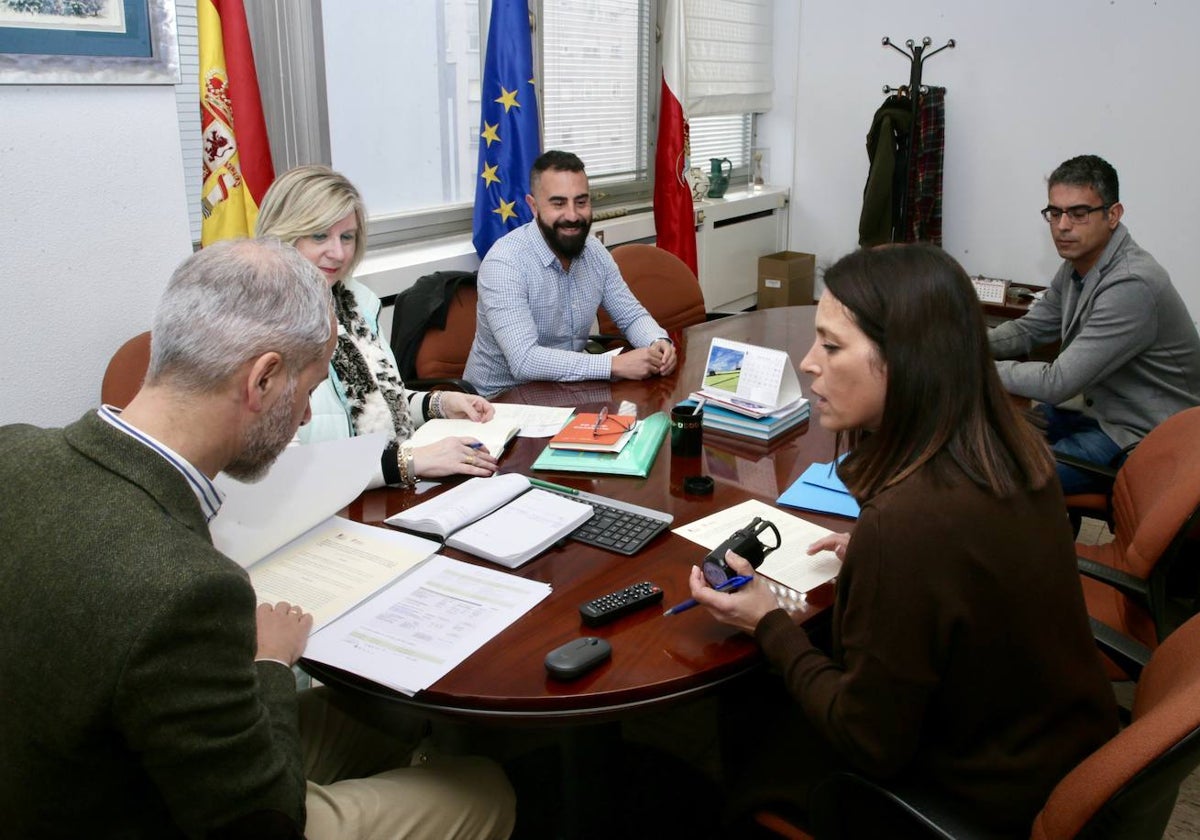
961 655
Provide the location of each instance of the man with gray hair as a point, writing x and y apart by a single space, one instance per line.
145 696
1129 348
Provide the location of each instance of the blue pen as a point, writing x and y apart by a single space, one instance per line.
731 585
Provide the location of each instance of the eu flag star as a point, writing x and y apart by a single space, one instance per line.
505 210
513 142
489 133
507 98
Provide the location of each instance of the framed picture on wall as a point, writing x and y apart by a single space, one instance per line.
92 42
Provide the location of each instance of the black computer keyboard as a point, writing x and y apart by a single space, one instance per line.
615 525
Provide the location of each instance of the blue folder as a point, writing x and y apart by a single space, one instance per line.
820 490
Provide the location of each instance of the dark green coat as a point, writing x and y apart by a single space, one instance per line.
132 706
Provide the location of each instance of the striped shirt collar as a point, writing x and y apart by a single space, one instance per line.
207 494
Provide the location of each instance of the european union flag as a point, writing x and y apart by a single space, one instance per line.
508 126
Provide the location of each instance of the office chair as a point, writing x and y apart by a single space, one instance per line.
662 283
1096 504
1155 505
1126 789
433 327
125 372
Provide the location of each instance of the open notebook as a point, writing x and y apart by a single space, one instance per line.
503 518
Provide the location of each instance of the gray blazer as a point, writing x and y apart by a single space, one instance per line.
1129 346
132 703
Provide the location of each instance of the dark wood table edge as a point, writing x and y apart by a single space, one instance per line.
364 688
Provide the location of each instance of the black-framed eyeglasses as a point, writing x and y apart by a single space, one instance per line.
603 418
1077 213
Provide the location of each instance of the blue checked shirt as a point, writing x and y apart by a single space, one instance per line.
534 318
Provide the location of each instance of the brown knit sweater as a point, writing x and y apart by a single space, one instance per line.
961 650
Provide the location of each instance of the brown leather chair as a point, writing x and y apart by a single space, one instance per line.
1155 504
125 372
443 351
1126 789
662 283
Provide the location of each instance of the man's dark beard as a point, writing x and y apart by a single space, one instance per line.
566 242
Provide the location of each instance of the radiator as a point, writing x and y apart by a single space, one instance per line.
731 234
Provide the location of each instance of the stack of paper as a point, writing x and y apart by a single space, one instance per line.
819 489
768 427
635 459
419 614
415 632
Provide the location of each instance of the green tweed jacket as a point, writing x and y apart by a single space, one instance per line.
132 706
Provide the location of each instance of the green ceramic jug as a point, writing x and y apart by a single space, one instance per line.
718 178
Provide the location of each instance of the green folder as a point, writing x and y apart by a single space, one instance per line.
635 459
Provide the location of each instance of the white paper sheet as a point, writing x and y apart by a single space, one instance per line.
536 421
306 485
790 564
414 632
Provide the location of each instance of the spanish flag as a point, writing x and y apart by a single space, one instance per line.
237 156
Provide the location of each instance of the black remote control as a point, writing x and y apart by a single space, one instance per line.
616 604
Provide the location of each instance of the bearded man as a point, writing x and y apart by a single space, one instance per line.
540 287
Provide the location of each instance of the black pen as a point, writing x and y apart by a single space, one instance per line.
731 585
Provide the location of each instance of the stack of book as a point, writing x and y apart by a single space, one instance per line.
721 418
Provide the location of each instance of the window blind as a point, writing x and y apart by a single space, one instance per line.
729 57
595 59
187 105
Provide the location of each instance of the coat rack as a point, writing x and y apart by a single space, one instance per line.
917 57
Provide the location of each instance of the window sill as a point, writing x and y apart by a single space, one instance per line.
389 270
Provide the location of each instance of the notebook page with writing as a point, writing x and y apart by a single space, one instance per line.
522 529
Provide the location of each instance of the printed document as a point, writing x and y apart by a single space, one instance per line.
790 564
335 566
416 631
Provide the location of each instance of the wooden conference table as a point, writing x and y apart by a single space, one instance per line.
656 660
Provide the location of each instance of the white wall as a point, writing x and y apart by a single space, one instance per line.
93 219
1029 85
93 215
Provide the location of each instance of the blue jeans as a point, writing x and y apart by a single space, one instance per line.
1080 436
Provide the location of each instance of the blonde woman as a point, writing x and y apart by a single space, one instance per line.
321 213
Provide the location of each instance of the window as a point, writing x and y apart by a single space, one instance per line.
388 93
596 60
722 137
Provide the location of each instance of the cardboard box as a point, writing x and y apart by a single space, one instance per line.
786 279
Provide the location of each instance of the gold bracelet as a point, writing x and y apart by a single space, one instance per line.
404 463
435 405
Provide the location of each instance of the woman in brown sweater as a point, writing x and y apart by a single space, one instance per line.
961 655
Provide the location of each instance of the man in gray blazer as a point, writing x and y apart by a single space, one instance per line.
144 693
1129 350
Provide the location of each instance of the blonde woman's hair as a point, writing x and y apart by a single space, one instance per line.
311 199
